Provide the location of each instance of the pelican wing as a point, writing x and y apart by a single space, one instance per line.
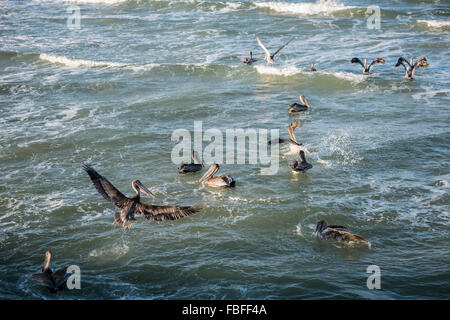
348 234
268 56
422 62
375 61
60 276
294 125
43 279
282 47
159 213
401 61
105 188
357 60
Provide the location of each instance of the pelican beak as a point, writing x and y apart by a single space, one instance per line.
144 189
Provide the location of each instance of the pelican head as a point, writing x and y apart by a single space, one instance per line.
411 61
321 226
138 187
251 55
210 173
48 258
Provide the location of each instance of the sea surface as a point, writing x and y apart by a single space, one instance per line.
111 93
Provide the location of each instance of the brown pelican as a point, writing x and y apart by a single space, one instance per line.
312 67
54 281
302 166
294 146
338 233
133 206
367 70
411 68
249 60
221 181
269 57
297 107
194 166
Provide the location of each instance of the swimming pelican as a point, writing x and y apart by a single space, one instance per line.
338 233
411 68
312 67
302 166
297 107
294 146
133 206
269 57
194 166
221 181
249 60
54 281
367 70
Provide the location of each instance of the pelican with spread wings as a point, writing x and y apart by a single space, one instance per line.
294 146
133 206
411 67
54 281
368 69
269 57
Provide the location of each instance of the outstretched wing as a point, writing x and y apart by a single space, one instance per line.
60 276
268 57
281 48
294 125
422 62
105 188
43 279
357 60
159 213
401 61
375 61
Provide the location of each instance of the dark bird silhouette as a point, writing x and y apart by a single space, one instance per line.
301 166
248 60
194 166
368 69
54 281
298 107
133 206
410 67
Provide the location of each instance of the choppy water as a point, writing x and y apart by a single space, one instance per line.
111 93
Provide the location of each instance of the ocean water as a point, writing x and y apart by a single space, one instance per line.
112 92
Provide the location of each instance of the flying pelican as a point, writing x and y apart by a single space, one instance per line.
411 68
294 146
338 233
302 166
194 166
54 281
297 107
367 70
269 57
220 181
249 60
312 67
133 206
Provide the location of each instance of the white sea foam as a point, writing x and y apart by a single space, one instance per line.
80 63
436 24
292 70
312 8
